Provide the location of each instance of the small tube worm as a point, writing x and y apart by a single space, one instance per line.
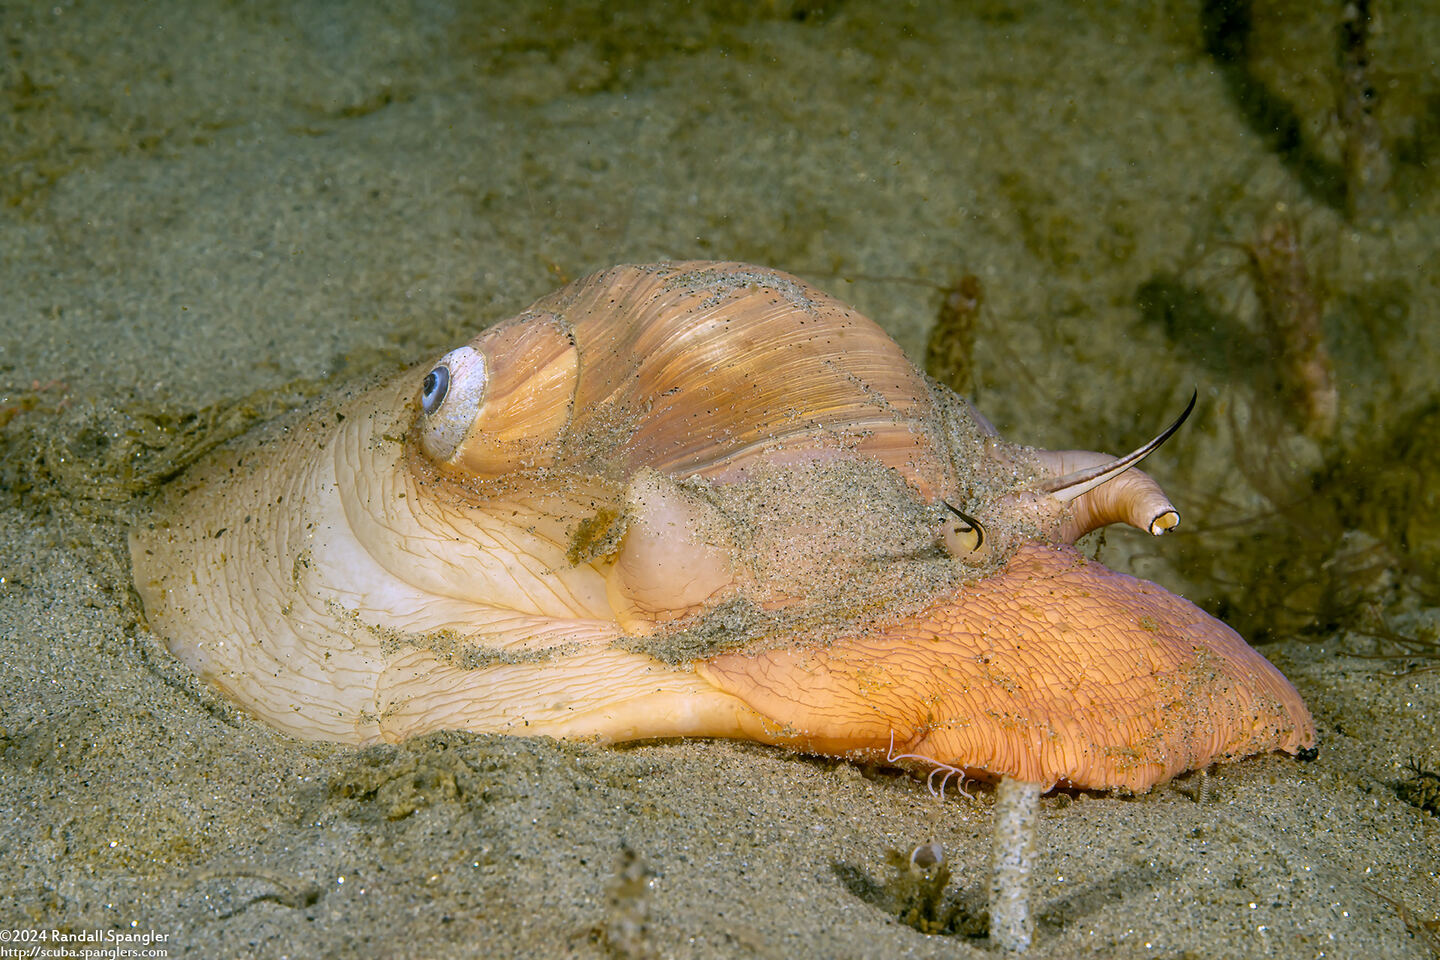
1291 313
1017 806
950 352
1367 166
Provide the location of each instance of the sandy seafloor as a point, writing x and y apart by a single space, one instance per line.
199 201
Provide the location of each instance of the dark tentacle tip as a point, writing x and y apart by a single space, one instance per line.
1189 408
1165 521
1307 754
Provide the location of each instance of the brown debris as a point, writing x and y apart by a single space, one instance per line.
1367 165
1291 312
950 352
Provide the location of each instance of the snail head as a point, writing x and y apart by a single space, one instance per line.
1077 491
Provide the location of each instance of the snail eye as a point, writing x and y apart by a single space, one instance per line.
962 533
451 396
433 390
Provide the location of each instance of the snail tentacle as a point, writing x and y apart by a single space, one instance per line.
965 537
1100 490
1133 498
1080 482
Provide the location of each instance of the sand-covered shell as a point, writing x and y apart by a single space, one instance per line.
691 370
666 500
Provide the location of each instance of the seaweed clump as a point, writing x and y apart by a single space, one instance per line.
1332 509
1422 790
1347 541
916 892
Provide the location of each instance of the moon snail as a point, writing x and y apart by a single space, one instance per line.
696 499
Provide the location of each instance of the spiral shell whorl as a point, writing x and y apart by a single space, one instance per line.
696 369
515 384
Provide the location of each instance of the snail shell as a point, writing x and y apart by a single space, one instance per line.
695 499
422 554
690 369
